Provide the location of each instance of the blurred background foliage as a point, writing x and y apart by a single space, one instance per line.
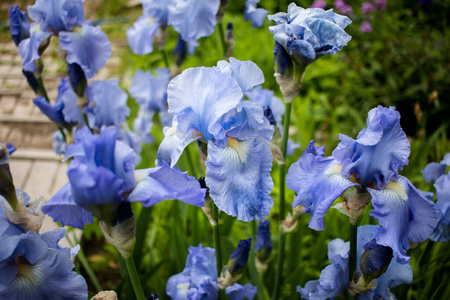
404 62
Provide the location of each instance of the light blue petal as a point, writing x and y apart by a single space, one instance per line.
52 111
318 183
397 273
239 292
379 151
171 147
193 19
151 91
107 103
442 186
19 26
143 125
239 178
57 15
266 99
161 183
62 208
177 287
256 15
87 46
140 36
28 49
132 140
157 9
246 73
71 111
404 214
199 97
433 171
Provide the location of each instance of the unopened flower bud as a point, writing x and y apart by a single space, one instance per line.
239 257
229 40
121 235
77 79
7 189
354 204
375 261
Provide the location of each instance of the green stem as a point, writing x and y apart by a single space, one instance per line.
353 254
84 262
191 162
165 58
41 88
129 261
222 39
216 233
282 177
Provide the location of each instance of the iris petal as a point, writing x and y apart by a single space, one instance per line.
404 214
318 183
140 36
239 178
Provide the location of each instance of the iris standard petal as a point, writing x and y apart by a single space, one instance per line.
157 9
140 36
71 111
318 183
404 214
199 97
171 147
256 15
19 26
193 19
87 46
246 73
151 91
239 178
379 151
161 183
57 15
62 208
107 103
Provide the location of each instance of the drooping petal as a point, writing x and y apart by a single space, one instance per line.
199 97
246 73
239 178
62 208
19 26
404 214
71 111
52 111
87 46
140 36
107 103
240 292
57 15
379 151
161 183
256 15
29 49
193 19
433 171
171 147
396 274
318 183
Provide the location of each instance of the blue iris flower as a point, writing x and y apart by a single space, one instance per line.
436 172
140 36
308 34
198 280
256 15
102 181
371 162
193 19
57 15
34 266
19 26
107 103
88 46
334 278
150 93
208 106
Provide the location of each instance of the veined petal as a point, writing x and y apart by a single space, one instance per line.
57 15
318 183
140 36
162 183
199 97
87 46
246 73
404 214
239 178
62 208
379 151
28 48
150 91
171 147
193 19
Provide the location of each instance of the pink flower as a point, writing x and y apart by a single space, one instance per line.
318 4
365 27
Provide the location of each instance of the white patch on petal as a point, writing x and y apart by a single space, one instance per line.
240 149
395 189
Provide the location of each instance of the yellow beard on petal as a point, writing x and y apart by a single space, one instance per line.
396 188
239 148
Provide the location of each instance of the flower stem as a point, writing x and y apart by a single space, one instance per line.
84 262
165 58
222 39
282 180
129 261
216 234
353 254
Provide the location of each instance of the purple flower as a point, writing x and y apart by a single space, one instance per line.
343 7
367 7
380 4
319 4
365 27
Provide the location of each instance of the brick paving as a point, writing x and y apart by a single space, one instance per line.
36 169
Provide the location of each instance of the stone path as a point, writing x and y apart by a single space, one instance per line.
36 169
